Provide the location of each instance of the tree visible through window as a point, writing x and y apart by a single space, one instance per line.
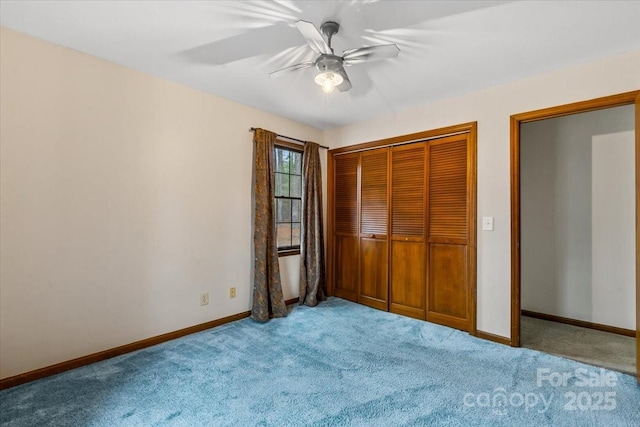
288 197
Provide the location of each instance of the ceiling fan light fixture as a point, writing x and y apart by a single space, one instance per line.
328 81
331 66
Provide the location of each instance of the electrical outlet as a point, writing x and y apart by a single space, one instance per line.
204 298
232 292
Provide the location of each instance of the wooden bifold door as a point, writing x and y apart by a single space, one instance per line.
374 213
402 236
346 240
447 248
408 231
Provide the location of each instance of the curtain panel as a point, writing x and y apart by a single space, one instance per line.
268 298
312 269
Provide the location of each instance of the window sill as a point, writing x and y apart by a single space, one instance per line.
288 252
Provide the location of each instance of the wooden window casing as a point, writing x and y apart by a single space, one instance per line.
288 196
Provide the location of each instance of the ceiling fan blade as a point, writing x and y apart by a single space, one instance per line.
371 53
254 42
313 37
346 83
292 68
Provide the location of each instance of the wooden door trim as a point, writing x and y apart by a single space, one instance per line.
611 101
427 219
389 231
409 138
472 203
359 224
637 125
627 98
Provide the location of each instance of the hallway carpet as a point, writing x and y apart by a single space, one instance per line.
339 364
606 349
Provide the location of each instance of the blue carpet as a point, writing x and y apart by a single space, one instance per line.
337 364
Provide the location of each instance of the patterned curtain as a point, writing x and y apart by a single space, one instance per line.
312 278
267 289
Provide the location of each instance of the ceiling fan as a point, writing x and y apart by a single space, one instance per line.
332 74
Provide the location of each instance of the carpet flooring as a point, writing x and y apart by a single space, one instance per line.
338 364
599 348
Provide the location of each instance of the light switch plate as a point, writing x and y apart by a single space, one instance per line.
487 223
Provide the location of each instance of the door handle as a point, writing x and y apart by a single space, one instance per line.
372 236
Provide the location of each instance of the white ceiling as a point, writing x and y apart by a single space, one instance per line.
228 48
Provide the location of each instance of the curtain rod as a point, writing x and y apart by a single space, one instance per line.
293 139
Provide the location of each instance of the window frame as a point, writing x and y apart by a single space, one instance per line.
290 146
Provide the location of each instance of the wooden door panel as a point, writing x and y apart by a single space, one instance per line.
447 279
407 279
374 212
408 226
346 275
448 232
346 242
373 273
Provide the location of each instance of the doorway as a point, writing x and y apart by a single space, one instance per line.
517 123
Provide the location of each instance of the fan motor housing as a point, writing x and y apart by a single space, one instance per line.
328 63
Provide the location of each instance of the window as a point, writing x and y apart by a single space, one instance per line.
288 161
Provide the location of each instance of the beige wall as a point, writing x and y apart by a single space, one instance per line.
123 197
492 109
614 222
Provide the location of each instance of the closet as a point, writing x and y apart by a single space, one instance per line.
402 225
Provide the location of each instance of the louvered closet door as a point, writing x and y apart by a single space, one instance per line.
408 284
346 239
374 209
448 232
